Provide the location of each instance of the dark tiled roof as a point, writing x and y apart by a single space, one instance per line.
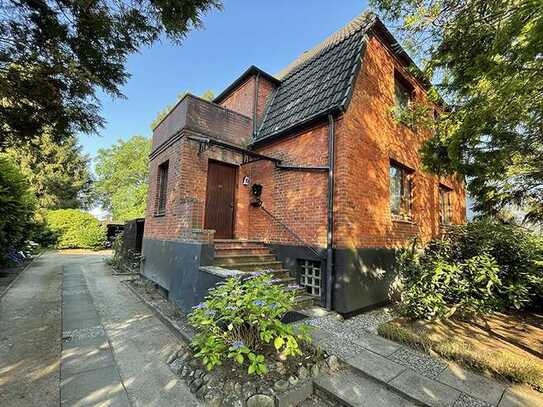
319 81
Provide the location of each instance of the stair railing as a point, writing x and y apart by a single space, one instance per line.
292 233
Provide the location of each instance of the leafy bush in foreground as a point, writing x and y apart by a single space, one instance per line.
241 320
473 269
17 205
75 229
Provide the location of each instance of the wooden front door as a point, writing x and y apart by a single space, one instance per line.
221 187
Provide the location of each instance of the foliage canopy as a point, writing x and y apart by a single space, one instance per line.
17 205
74 228
485 58
122 173
54 55
58 172
476 268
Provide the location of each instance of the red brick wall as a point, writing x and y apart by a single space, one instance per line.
366 139
186 193
297 199
242 99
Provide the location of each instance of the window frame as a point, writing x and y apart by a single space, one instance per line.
406 89
161 196
405 207
311 288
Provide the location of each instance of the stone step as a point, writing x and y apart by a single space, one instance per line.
228 244
235 251
349 388
255 266
226 260
304 300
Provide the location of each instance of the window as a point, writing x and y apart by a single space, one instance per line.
403 91
401 185
310 276
444 205
162 184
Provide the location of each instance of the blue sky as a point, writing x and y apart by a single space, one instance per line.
268 34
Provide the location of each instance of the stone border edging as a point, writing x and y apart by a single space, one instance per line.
20 274
172 326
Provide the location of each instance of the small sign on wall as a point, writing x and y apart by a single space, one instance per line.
246 181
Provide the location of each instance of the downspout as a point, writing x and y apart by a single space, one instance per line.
255 102
330 214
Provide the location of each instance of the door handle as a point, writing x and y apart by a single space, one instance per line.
231 205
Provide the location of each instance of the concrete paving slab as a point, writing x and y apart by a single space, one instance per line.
424 389
85 313
367 362
355 390
98 342
96 387
470 383
69 324
83 359
376 344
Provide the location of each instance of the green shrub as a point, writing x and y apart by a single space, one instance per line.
476 268
75 229
241 320
17 206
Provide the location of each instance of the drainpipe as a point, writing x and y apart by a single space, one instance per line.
255 101
330 214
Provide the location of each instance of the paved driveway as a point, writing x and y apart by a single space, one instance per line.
71 334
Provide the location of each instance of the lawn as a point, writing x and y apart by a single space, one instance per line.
506 346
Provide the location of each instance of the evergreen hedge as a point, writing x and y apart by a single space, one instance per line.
75 229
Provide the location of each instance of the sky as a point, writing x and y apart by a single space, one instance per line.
268 34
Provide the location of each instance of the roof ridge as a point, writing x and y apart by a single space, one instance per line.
359 22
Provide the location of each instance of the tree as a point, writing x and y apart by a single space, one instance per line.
208 95
58 172
485 59
17 205
122 173
54 55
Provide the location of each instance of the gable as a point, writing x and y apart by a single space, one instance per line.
319 82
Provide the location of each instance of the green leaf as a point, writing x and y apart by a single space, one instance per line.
278 342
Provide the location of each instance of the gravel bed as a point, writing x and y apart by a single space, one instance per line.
84 333
370 321
467 401
419 362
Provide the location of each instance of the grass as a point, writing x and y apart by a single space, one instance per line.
473 347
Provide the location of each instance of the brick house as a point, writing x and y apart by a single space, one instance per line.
305 172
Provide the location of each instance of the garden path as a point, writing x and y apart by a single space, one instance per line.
414 375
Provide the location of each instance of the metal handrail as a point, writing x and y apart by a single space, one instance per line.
271 215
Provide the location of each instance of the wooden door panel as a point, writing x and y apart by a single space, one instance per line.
221 185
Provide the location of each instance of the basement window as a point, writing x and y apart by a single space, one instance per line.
401 186
310 276
445 204
162 190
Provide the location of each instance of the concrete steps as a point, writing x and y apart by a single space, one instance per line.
253 256
349 388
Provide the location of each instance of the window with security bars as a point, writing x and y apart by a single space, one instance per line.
310 276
